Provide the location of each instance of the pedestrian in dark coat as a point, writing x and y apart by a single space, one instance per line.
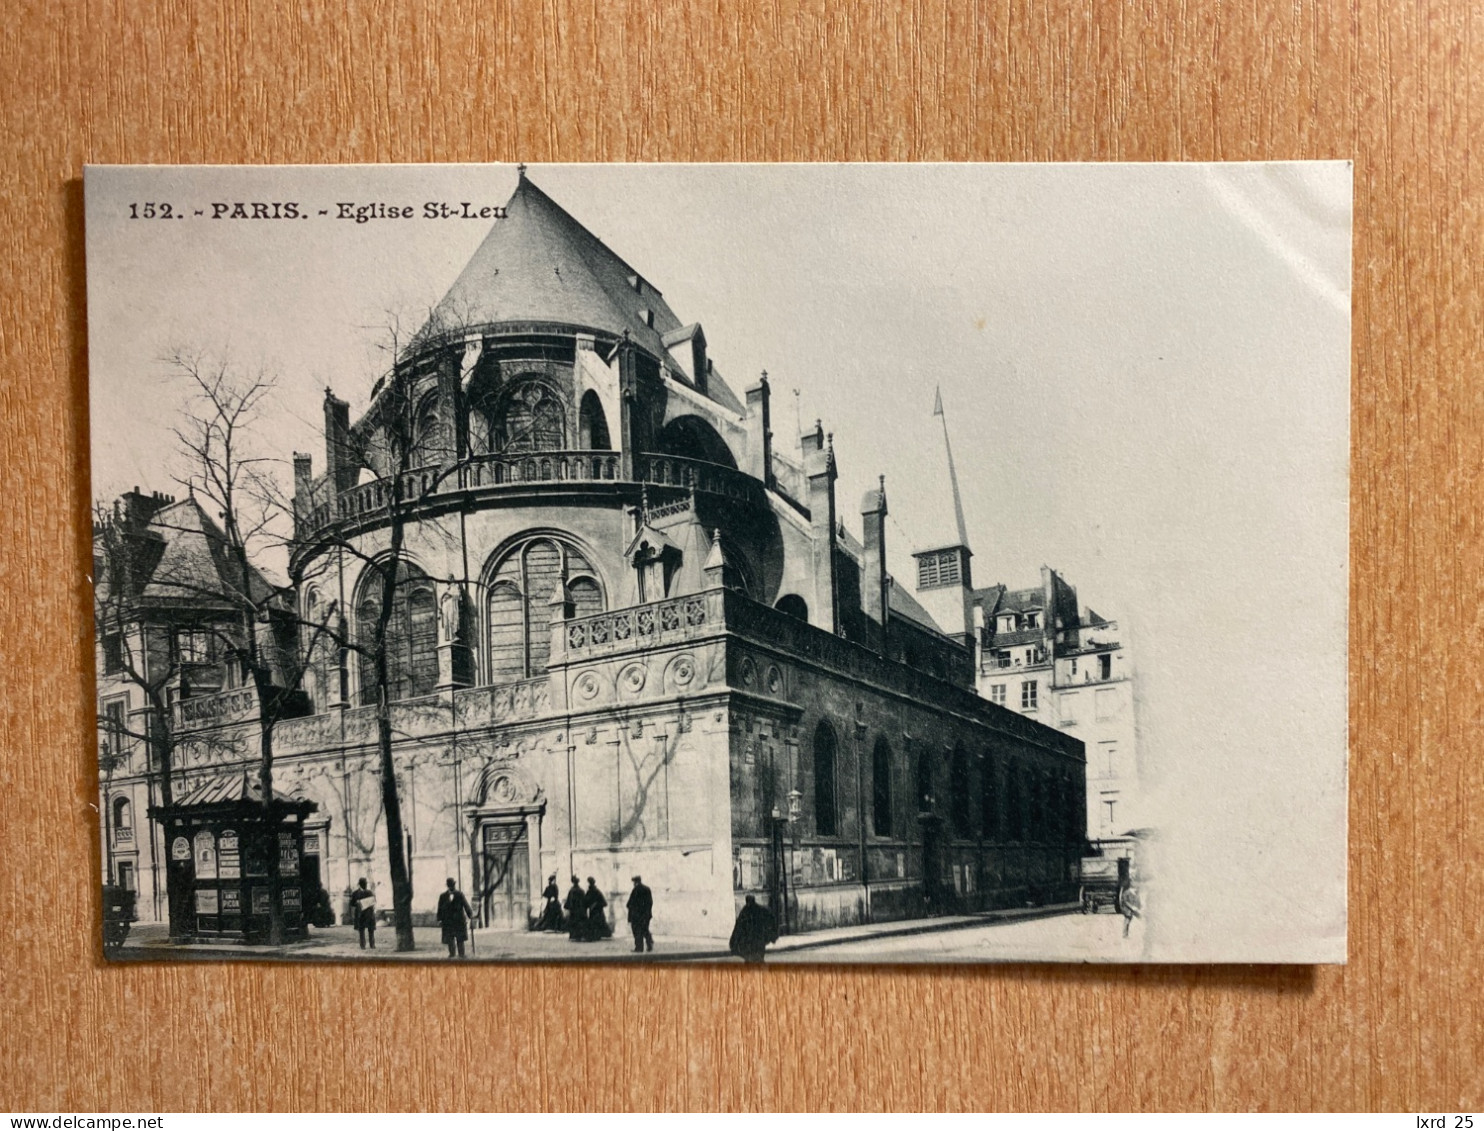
641 911
363 913
551 914
454 914
756 927
576 908
597 918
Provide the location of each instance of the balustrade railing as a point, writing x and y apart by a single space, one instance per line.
223 707
641 626
705 478
485 472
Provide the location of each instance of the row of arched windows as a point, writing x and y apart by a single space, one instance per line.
529 415
516 619
524 416
1038 805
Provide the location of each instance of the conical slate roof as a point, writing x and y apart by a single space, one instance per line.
539 264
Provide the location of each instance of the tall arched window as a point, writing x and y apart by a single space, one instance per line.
1039 822
411 636
881 788
317 646
960 791
1015 786
529 418
520 593
825 746
924 781
989 801
592 424
123 815
430 443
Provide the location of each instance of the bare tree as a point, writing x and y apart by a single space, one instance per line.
260 631
394 439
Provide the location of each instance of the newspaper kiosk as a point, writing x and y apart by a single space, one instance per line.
222 841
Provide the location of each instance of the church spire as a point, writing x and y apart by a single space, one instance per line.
958 503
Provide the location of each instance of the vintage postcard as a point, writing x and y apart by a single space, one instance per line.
795 563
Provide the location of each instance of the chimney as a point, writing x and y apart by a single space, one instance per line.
339 465
760 432
303 474
819 467
874 595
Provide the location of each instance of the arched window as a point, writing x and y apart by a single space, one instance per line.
123 814
410 642
1039 821
825 822
316 660
592 424
1015 799
529 418
793 605
924 781
960 790
881 788
989 801
520 593
430 443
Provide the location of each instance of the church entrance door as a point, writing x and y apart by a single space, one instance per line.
505 868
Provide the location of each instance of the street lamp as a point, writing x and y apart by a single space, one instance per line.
107 762
795 810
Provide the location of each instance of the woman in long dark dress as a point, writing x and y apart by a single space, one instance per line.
576 908
551 914
597 919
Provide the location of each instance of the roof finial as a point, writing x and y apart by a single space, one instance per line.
520 170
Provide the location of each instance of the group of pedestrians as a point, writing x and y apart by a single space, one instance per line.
584 912
583 915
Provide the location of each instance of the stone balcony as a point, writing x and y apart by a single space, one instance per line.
487 479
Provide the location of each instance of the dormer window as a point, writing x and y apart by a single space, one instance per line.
1033 619
1007 622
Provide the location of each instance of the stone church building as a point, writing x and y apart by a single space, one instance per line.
629 636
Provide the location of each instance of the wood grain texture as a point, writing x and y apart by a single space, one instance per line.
1395 86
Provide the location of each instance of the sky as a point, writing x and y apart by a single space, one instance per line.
1144 369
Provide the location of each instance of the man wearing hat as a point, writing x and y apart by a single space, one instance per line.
641 910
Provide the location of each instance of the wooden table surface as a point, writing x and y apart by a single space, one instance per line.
1393 85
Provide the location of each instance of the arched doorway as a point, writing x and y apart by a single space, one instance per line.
506 836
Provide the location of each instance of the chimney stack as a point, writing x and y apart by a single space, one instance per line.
874 594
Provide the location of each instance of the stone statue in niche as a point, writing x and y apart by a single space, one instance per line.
451 609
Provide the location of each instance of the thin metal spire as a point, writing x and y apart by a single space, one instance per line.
958 503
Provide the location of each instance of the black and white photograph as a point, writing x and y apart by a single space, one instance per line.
878 563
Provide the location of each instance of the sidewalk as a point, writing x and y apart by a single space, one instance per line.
150 942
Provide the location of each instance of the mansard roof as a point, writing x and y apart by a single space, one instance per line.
195 565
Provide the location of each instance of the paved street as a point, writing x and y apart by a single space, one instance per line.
1071 937
1003 936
